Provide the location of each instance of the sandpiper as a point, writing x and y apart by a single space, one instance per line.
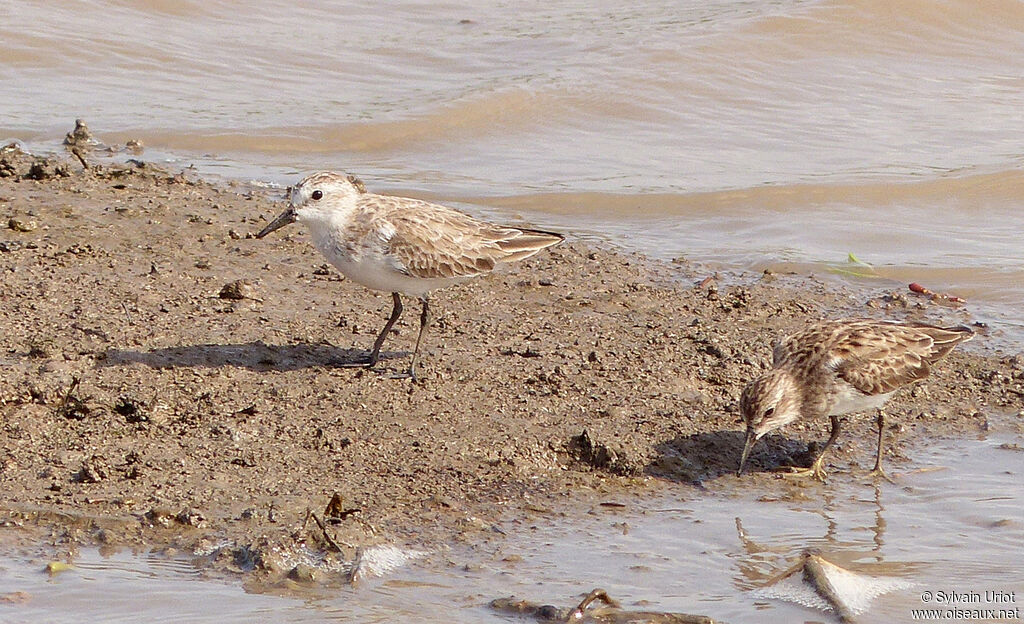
840 367
400 245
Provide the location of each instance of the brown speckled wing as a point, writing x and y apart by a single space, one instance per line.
884 373
877 358
432 241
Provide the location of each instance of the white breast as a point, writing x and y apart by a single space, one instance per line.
849 400
378 273
369 266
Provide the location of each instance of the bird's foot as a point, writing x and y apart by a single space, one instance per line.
816 471
879 473
408 374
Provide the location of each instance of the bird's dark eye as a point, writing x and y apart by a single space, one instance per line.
768 412
317 195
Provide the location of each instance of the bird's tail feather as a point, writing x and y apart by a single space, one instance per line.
524 243
944 339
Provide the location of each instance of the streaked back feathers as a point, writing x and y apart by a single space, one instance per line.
876 357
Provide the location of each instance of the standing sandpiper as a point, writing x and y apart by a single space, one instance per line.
840 367
400 245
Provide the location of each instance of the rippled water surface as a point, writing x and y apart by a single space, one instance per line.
782 133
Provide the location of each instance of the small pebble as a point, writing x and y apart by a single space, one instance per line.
21 225
238 289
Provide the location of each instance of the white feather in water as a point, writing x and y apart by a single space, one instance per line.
820 584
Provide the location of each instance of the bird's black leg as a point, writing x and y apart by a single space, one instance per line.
396 311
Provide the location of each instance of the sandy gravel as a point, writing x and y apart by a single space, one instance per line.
140 405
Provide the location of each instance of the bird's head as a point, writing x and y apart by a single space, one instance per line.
767 403
318 197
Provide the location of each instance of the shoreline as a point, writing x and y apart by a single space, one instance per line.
143 407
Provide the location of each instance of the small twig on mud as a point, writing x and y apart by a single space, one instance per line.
597 594
128 315
323 529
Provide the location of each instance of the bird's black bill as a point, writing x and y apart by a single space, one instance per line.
749 444
285 218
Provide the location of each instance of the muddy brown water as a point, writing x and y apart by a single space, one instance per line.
951 526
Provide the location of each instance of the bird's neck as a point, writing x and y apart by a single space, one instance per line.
794 397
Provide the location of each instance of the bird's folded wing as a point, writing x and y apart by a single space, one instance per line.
884 363
436 244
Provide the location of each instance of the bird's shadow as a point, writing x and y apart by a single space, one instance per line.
253 355
700 457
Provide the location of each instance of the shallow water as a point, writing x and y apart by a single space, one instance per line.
744 134
952 524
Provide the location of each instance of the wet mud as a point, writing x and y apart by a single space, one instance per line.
170 381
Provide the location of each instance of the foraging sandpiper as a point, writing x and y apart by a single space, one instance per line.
840 367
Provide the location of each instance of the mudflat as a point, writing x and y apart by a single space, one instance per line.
170 381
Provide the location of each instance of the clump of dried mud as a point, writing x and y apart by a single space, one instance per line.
168 380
